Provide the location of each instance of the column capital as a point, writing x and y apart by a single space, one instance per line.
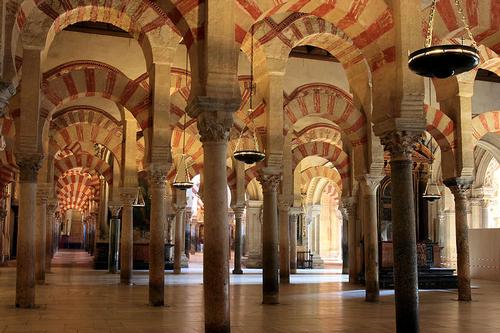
115 207
128 195
460 187
269 181
348 205
295 211
400 144
52 205
238 211
29 164
157 174
7 91
370 183
214 126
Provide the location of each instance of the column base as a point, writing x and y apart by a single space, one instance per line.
237 271
317 261
253 261
271 299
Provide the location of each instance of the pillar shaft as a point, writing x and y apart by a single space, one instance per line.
238 217
51 208
293 240
25 258
157 179
401 146
179 237
127 238
284 243
370 230
349 205
114 240
40 236
461 193
270 283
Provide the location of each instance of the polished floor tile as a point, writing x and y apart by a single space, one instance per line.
78 299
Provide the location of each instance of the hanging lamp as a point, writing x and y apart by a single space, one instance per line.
182 181
249 156
139 199
442 61
432 191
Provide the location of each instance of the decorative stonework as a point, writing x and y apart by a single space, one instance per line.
269 182
115 208
157 175
28 167
238 211
128 196
370 184
400 144
214 126
7 91
52 205
348 206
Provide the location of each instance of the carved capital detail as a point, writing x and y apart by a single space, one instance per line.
238 211
115 208
157 175
29 166
348 206
370 183
400 144
128 195
214 126
269 182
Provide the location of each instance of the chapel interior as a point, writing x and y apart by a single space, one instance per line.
249 166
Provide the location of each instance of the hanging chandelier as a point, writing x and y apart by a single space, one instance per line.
432 191
249 156
442 61
182 181
139 199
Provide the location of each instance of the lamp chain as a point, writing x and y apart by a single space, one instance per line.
464 21
428 38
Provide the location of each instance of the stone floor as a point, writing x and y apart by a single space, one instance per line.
79 299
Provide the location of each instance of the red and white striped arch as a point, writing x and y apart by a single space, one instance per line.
318 132
328 151
83 114
88 133
75 196
488 122
90 78
368 23
8 166
329 102
85 161
482 16
441 127
306 176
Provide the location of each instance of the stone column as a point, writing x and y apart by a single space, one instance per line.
294 214
3 216
127 197
114 237
254 234
485 213
238 216
179 247
284 242
25 259
270 283
49 247
345 239
349 208
103 210
40 232
213 126
369 185
401 145
157 182
461 190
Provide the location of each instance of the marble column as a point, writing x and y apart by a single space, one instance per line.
213 126
25 259
461 191
3 216
127 197
103 210
238 217
40 232
401 145
485 213
345 239
369 185
157 182
254 234
293 216
284 242
114 237
49 247
270 263
349 209
179 247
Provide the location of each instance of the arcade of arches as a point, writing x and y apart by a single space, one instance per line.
100 100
